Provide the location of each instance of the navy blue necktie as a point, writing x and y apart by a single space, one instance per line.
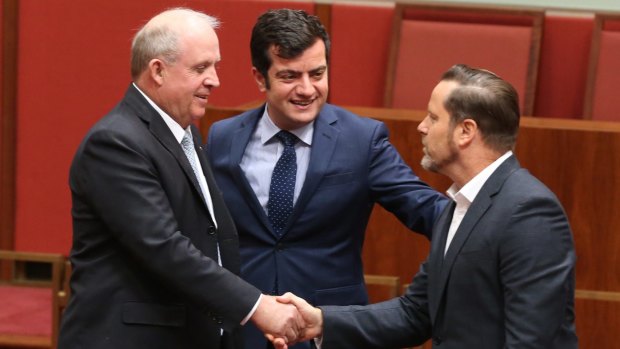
282 188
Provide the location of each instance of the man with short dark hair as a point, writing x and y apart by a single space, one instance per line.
302 216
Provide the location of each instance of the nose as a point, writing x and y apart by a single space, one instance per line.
305 87
422 128
211 80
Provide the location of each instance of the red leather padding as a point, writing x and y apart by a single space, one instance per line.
466 16
427 49
607 83
360 45
563 66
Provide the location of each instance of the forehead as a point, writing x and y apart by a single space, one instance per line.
439 95
311 58
200 41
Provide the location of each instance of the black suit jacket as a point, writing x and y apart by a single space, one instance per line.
506 281
145 270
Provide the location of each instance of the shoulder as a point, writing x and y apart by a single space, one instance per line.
522 183
238 120
346 120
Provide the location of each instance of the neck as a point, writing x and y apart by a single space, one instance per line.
471 163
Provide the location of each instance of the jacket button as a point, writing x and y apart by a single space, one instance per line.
279 247
211 230
436 340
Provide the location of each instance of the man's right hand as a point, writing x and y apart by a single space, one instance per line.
313 317
278 320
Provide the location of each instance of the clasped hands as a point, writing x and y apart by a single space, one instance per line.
287 320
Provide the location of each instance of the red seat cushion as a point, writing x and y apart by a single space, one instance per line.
26 311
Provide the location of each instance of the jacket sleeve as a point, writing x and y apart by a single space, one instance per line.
396 323
398 189
537 270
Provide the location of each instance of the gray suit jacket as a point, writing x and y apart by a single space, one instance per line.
506 281
145 270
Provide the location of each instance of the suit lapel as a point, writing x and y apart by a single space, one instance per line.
162 133
323 145
436 259
482 202
239 142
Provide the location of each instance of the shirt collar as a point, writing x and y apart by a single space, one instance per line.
174 126
468 192
267 130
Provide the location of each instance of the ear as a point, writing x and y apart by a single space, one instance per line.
260 80
466 132
157 71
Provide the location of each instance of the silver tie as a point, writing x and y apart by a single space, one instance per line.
188 147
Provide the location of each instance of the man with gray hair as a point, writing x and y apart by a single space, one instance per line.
155 252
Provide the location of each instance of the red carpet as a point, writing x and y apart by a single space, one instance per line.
25 310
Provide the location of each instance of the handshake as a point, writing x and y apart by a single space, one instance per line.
287 320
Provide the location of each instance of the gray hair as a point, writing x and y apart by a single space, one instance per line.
157 39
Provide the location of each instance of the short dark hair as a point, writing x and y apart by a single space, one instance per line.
290 31
487 99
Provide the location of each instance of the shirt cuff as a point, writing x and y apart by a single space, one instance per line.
249 316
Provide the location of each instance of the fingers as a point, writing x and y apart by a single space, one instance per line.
278 319
278 343
286 298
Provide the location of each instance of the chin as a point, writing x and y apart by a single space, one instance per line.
428 164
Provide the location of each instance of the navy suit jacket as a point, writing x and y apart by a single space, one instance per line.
319 256
144 255
506 281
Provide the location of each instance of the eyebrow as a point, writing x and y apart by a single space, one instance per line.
296 72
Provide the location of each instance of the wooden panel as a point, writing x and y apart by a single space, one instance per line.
8 71
597 323
382 287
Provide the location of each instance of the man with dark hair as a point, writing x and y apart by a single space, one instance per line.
500 273
302 216
155 252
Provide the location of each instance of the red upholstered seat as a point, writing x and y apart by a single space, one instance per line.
31 309
601 102
26 311
428 41
357 63
563 69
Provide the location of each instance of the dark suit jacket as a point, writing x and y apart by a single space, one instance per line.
319 255
145 270
507 280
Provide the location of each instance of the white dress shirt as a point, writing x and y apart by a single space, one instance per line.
264 150
466 195
179 133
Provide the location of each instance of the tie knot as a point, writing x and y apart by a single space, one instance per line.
287 138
